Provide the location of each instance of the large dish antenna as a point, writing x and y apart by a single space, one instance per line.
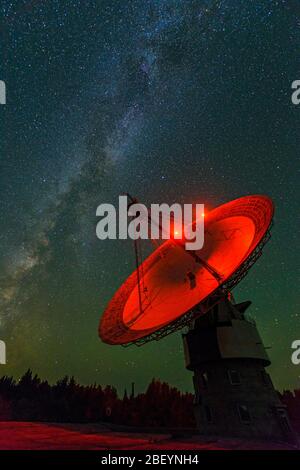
173 286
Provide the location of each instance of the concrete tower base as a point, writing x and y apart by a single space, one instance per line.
234 395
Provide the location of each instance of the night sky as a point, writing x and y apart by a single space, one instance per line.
171 101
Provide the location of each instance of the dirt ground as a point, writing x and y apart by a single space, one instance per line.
47 436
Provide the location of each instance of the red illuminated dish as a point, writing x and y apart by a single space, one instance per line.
174 281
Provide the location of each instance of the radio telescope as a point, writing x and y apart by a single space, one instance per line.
174 287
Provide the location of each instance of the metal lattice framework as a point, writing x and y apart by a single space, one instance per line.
203 307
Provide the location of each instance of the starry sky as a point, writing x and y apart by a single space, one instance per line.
171 101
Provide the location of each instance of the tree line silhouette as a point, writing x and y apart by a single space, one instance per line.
33 399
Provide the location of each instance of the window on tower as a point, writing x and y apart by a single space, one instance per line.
204 378
234 377
244 413
265 377
208 414
197 399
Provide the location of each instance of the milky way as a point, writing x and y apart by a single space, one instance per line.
167 100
